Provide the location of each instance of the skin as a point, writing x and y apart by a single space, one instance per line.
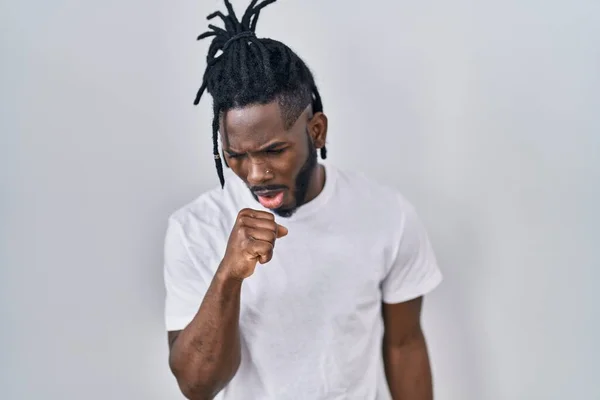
405 354
259 149
206 354
265 155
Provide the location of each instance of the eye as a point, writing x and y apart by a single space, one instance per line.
275 151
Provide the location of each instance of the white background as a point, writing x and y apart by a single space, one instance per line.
485 114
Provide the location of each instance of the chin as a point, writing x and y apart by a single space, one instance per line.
286 210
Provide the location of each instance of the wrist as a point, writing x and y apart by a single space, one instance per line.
225 277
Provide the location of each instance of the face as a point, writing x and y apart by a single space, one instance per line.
278 165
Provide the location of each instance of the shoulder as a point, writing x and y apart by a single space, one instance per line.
215 208
381 209
367 191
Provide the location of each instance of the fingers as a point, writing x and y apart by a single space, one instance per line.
260 250
257 214
281 231
263 243
260 231
266 235
277 230
265 258
259 220
257 223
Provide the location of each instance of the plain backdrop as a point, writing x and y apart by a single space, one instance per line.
485 114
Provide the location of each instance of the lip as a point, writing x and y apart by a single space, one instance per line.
268 193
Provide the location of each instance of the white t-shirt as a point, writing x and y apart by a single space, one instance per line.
310 319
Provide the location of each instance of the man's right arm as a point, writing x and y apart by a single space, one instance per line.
205 356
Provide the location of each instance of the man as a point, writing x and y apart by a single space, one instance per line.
294 279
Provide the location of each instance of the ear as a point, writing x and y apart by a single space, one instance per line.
317 128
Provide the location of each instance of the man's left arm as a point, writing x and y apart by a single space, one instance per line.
405 354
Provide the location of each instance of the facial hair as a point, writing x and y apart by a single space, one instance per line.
302 183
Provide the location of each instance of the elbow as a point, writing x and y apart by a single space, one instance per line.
196 387
196 392
202 381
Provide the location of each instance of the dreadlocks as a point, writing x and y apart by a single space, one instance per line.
250 70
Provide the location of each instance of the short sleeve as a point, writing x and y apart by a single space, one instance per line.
414 271
185 284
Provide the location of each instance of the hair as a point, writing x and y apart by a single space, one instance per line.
250 70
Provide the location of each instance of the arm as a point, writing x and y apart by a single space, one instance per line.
205 356
205 353
405 355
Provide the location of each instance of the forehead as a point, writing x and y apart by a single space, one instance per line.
254 126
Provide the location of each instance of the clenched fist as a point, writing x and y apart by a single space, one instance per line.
252 240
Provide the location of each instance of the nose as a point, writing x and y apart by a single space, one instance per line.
258 173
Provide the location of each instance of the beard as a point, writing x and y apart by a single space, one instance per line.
302 183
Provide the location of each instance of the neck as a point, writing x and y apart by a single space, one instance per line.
317 182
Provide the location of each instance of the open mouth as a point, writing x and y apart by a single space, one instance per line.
270 199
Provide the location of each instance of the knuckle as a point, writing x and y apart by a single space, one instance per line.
259 247
266 215
268 249
245 211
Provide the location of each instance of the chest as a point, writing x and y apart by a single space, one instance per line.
317 277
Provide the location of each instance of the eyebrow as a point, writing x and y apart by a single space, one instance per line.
268 147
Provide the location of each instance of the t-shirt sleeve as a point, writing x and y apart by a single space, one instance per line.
185 281
414 271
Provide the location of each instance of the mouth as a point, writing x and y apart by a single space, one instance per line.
271 199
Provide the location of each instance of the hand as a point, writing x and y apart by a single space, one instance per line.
252 240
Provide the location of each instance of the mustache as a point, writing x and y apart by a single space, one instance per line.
266 188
